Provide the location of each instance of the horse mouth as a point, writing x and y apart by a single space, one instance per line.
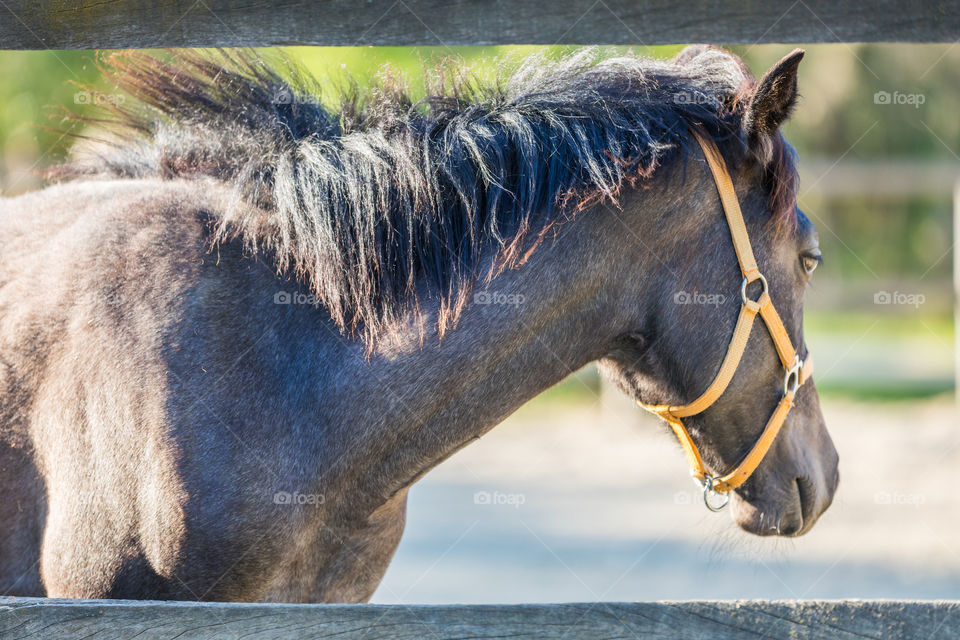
792 519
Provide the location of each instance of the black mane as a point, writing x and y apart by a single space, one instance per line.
385 199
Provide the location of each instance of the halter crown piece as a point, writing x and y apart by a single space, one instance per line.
796 371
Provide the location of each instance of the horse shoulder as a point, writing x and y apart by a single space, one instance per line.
93 277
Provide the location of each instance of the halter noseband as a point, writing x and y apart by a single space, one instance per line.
796 371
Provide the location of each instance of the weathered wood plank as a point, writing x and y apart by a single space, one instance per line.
28 618
88 24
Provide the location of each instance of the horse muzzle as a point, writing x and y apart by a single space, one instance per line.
788 501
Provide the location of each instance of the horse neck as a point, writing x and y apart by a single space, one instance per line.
523 332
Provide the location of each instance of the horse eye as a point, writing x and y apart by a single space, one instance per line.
810 260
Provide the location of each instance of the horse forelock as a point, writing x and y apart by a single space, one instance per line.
383 201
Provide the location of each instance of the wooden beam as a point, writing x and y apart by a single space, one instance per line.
32 618
881 178
98 24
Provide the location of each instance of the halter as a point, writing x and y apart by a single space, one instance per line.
796 371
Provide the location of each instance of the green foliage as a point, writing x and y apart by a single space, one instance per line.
31 82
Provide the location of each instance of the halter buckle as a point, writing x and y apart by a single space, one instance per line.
791 376
708 491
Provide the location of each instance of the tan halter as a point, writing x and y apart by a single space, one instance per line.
796 371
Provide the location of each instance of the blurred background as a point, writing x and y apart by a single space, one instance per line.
578 496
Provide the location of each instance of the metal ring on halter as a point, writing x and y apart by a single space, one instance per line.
743 289
791 377
708 491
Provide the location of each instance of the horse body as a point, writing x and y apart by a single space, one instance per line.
178 421
160 474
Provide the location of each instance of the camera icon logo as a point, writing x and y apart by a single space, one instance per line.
282 297
283 96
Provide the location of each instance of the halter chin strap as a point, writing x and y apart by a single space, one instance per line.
796 371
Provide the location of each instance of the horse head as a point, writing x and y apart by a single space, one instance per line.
735 394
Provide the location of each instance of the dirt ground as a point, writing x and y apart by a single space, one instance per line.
587 502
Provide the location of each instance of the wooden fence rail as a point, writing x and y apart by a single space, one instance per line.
34 618
98 24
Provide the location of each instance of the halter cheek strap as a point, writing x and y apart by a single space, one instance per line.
796 371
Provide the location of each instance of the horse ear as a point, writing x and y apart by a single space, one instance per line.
772 100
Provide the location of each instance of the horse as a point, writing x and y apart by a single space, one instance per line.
240 322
